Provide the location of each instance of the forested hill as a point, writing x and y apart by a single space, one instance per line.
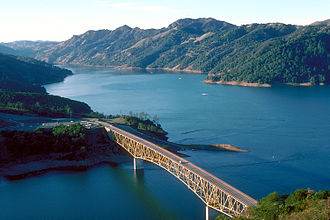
302 56
263 53
21 90
27 74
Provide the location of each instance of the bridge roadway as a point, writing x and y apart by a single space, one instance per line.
228 189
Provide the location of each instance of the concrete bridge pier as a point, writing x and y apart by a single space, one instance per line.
138 164
207 217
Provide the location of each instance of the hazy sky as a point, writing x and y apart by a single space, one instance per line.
60 19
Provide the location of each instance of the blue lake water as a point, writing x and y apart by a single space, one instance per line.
285 129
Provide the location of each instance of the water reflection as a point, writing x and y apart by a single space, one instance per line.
139 176
145 197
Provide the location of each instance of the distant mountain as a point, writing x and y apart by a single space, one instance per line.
201 25
7 50
262 53
322 23
28 74
27 48
126 46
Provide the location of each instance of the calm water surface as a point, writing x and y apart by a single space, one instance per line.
286 130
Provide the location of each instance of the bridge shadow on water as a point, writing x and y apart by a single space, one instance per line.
136 187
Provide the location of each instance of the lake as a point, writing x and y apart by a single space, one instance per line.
286 130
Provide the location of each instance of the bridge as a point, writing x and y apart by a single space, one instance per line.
215 193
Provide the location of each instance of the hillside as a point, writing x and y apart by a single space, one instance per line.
7 50
21 88
322 23
301 204
259 53
130 47
299 55
41 104
27 74
26 48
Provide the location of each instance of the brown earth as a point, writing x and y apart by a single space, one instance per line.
237 83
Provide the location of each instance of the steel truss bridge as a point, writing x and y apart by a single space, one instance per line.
215 193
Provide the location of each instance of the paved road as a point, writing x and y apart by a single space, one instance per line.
185 163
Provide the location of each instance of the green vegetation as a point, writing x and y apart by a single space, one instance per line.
21 90
256 53
41 104
25 74
74 139
139 121
61 139
302 204
143 123
301 57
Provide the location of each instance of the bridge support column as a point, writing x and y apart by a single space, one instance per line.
138 164
207 213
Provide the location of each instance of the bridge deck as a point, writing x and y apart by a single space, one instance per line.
247 200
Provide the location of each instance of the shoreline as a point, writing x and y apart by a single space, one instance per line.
14 170
258 85
212 147
123 67
174 69
175 147
187 70
100 153
304 84
237 83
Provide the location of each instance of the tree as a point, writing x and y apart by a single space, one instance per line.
155 119
68 110
269 207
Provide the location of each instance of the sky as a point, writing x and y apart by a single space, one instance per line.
58 20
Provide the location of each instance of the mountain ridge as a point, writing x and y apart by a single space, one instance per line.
133 38
225 51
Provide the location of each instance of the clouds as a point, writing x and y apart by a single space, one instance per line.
133 6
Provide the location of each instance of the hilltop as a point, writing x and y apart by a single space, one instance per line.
131 47
321 23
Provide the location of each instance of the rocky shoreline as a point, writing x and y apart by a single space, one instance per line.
100 151
16 170
304 84
265 85
124 67
237 83
36 166
189 70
